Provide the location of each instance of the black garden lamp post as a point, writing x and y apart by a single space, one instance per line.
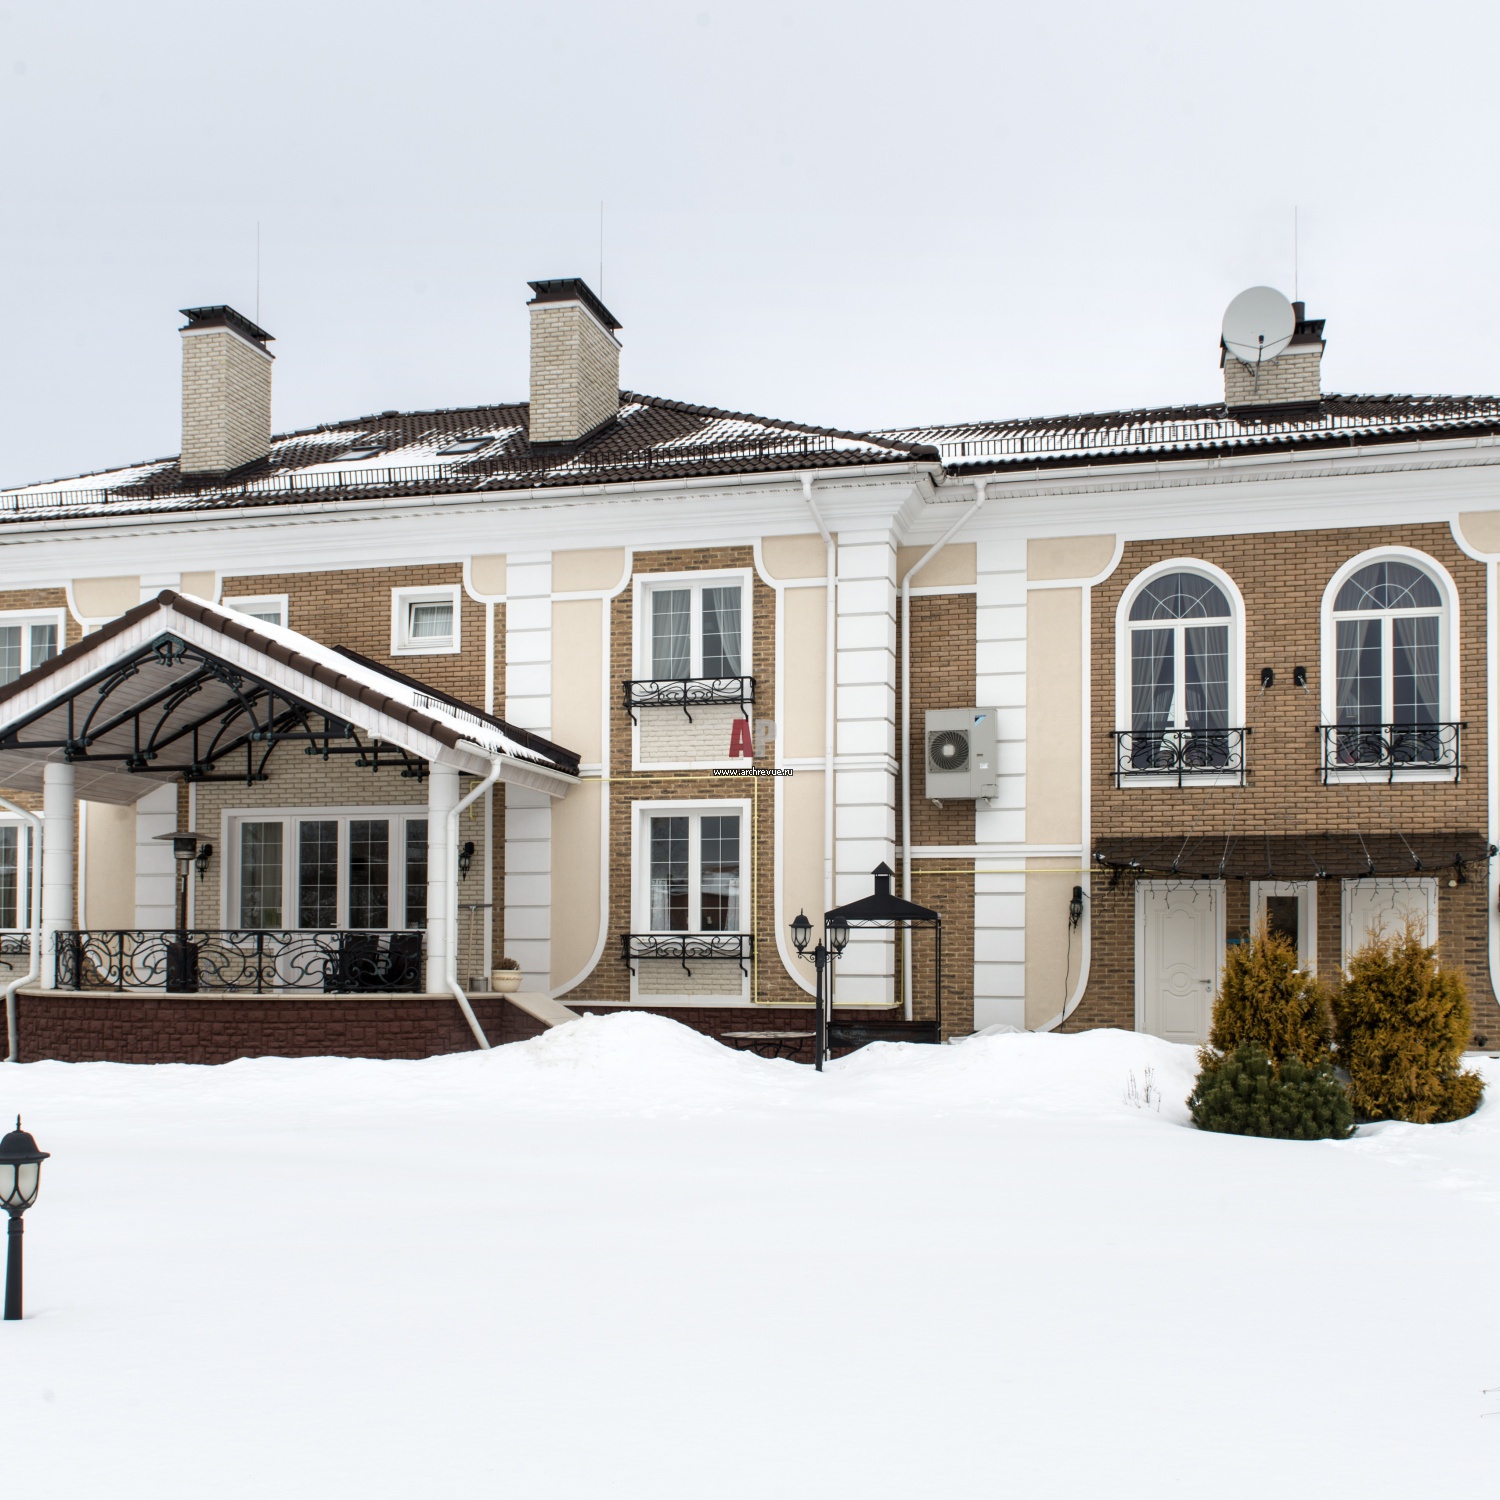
837 933
20 1177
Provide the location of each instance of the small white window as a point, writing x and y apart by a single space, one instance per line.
691 867
424 621
694 630
27 639
1289 907
272 608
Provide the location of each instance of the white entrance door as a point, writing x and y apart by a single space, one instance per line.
1179 947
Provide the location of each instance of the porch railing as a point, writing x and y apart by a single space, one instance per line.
1392 748
1181 755
239 961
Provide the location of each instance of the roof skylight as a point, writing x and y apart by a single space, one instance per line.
464 445
360 451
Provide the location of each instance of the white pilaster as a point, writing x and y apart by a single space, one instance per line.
155 869
528 815
442 872
58 807
865 746
1000 682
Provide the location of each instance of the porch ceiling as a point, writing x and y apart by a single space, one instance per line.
179 689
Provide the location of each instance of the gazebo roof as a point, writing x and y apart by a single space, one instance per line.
882 907
181 689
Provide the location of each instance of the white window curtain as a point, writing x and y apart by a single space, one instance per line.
671 632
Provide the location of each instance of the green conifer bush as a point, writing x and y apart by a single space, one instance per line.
1245 1093
1265 998
1401 1022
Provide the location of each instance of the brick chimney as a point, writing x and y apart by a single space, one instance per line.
226 391
1293 378
575 361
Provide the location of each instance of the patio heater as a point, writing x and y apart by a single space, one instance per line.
182 955
20 1177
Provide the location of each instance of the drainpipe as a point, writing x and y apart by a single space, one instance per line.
981 493
451 915
12 1031
830 668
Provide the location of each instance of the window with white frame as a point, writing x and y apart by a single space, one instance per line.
691 861
694 629
272 608
27 639
360 869
15 877
1388 647
424 621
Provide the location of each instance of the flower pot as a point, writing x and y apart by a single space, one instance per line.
505 981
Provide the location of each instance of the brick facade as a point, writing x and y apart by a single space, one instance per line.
226 402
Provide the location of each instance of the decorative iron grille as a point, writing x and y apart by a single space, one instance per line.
736 946
686 693
1392 748
240 962
1180 755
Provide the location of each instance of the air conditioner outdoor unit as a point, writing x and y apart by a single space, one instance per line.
962 759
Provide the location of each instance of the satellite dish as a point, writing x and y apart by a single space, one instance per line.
1258 325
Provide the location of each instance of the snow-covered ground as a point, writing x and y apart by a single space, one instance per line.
622 1261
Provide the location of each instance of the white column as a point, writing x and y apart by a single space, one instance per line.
57 860
865 763
442 871
528 815
155 869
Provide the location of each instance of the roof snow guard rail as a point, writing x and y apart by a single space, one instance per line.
582 467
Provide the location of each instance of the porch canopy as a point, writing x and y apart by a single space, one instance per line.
181 690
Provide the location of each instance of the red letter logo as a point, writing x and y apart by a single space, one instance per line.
739 740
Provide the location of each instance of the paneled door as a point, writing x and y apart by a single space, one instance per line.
1179 947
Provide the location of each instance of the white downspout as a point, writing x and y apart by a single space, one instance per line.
981 493
12 1030
830 671
451 915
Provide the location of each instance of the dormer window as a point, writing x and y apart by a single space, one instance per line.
464 445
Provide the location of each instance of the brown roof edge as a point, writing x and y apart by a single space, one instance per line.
78 648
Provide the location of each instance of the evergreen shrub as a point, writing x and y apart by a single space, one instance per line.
1401 1021
1264 998
1245 1093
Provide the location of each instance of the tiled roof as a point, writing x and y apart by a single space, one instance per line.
651 439
1201 431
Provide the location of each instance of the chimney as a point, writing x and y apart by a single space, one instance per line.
226 391
1293 378
575 362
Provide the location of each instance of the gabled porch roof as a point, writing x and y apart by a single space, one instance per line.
179 688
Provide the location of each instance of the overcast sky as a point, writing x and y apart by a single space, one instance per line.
848 214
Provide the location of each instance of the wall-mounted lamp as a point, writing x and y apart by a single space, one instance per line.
465 858
1299 676
1267 677
201 859
1075 907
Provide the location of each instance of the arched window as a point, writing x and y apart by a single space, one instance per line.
1180 675
1388 666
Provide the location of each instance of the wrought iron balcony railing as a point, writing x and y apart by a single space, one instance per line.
240 962
1180 755
1392 748
686 693
737 946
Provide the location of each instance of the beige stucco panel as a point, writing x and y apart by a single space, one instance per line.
104 598
577 693
801 853
1054 951
802 703
201 586
1481 529
1054 716
588 568
109 879
487 575
1068 556
577 826
955 565
785 557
